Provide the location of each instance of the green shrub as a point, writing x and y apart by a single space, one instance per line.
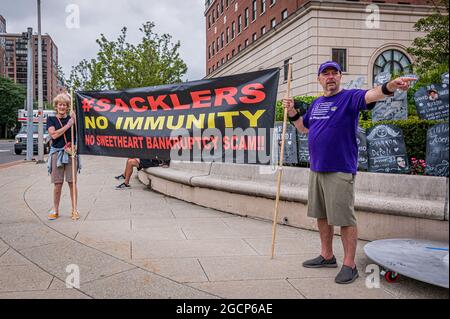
414 129
414 133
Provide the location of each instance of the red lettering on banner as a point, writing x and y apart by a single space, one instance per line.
253 90
226 94
154 104
198 97
120 105
137 108
176 103
103 105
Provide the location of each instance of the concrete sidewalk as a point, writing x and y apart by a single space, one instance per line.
139 244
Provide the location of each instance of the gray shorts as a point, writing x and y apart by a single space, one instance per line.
64 172
332 196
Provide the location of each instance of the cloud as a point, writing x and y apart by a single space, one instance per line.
182 19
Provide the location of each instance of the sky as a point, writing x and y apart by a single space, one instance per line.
182 19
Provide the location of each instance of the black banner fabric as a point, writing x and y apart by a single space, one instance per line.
219 119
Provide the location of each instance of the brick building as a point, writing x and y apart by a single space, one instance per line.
16 64
2 45
365 37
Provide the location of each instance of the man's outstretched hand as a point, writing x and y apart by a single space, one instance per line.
401 83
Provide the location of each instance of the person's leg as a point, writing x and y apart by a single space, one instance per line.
326 238
131 163
349 236
56 197
73 192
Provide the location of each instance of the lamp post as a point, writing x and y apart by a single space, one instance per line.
40 158
28 36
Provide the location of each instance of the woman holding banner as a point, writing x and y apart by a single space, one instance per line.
60 159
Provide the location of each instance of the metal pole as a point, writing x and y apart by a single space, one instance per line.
30 95
40 95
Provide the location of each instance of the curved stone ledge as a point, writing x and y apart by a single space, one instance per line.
415 205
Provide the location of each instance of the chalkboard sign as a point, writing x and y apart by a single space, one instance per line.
354 84
382 78
361 140
290 144
301 106
391 108
386 150
444 78
437 150
432 102
303 148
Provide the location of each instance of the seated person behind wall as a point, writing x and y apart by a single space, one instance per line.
139 163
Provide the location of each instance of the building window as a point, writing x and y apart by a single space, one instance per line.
284 14
222 40
228 56
228 34
286 69
246 43
246 18
273 23
221 5
217 12
223 61
272 2
263 6
233 29
227 2
239 48
233 52
392 61
263 30
209 21
255 10
239 24
218 44
213 14
213 48
340 56
254 37
209 52
209 70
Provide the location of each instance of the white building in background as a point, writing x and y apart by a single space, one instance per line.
364 37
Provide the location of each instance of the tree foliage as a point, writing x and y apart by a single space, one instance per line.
12 97
431 50
121 65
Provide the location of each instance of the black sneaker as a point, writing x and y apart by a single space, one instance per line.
121 176
347 275
123 186
320 262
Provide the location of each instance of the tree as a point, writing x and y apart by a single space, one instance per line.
12 97
121 65
431 51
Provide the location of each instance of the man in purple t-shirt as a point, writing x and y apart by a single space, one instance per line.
332 124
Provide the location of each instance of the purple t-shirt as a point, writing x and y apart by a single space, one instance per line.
333 124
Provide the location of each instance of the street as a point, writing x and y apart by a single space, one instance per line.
7 152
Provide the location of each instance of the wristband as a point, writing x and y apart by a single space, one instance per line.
295 117
385 90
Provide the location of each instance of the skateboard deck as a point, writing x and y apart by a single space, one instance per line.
422 260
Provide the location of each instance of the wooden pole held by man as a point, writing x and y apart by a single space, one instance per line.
280 165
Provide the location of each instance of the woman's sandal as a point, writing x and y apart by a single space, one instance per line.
75 215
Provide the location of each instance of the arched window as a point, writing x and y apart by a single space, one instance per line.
392 61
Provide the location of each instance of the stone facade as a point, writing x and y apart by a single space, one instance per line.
310 33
